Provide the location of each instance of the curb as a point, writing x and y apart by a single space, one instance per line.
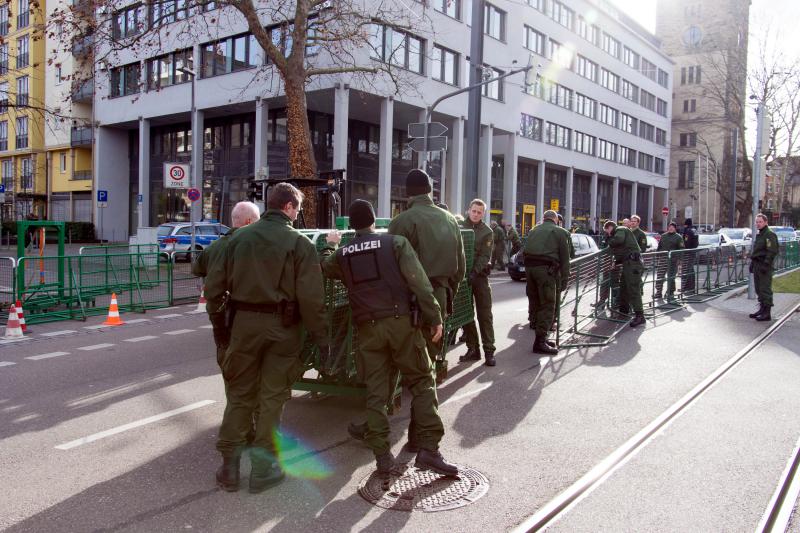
741 290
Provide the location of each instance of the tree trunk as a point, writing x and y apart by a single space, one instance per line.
302 163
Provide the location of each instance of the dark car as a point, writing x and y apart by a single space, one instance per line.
583 244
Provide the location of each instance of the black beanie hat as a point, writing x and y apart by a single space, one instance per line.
417 182
688 222
362 215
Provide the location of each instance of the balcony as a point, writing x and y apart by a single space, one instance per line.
80 175
84 93
82 46
81 136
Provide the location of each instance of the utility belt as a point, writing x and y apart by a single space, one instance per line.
367 317
289 311
537 260
635 256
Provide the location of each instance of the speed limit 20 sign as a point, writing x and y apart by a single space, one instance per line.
176 176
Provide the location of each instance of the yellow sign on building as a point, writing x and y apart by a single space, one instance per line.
554 204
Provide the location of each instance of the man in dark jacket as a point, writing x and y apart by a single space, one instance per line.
765 249
690 241
671 241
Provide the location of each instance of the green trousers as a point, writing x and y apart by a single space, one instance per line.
498 254
260 366
667 268
630 289
542 291
482 294
385 345
762 279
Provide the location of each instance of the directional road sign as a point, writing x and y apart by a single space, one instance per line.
435 144
102 198
435 129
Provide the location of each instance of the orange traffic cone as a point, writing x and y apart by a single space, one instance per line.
13 329
201 304
113 313
21 315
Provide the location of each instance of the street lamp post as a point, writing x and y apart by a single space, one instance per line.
192 170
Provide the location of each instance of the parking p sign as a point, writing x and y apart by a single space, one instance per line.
176 176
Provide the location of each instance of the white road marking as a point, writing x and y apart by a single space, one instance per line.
137 321
96 347
178 332
125 427
6 363
207 326
9 341
47 355
170 308
57 333
96 326
196 312
140 339
168 316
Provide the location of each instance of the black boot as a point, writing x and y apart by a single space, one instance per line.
384 463
490 360
624 309
433 460
265 472
765 314
228 474
758 312
638 320
357 431
473 354
540 346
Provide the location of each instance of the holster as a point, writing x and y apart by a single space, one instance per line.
230 315
290 313
220 329
415 313
450 303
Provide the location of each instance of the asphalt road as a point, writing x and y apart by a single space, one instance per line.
114 429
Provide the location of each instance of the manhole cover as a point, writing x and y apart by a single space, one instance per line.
422 490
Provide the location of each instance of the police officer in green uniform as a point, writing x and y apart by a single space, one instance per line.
628 254
481 292
547 271
513 237
274 281
499 238
765 249
641 236
381 273
668 264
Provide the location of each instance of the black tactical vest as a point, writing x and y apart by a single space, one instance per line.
372 275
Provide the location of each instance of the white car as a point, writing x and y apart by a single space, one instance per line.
737 235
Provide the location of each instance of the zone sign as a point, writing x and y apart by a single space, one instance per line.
176 176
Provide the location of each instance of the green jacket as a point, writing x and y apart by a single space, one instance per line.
498 235
410 268
641 238
435 236
670 241
549 240
513 238
484 244
268 262
623 243
765 247
210 264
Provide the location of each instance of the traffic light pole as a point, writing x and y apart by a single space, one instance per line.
757 160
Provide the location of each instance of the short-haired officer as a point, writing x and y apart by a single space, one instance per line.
382 273
641 236
547 271
765 249
690 241
481 291
670 241
627 253
274 279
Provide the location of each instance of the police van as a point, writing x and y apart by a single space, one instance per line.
177 236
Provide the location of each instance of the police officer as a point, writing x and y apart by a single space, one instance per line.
670 241
499 238
627 253
273 276
481 292
690 241
547 271
765 249
641 236
381 273
513 237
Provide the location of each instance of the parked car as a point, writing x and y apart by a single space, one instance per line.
177 236
583 244
712 243
652 241
797 234
784 233
737 235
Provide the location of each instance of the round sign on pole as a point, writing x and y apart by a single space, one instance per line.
665 211
177 173
193 194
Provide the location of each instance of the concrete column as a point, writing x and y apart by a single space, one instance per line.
262 134
569 193
510 180
615 200
385 159
112 173
485 170
540 208
443 178
651 198
341 115
593 205
144 173
634 197
197 163
455 188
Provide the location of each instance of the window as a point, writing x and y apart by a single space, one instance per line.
649 69
22 133
561 55
494 20
23 14
533 40
660 166
645 161
3 58
539 5
4 20
444 65
685 174
647 100
228 55
125 80
8 174
23 46
586 68
493 90
663 78
560 96
609 80
3 97
397 47
26 173
128 22
630 58
627 156
451 8
168 11
585 105
647 131
689 106
688 139
610 45
606 150
609 115
661 137
661 107
4 135
628 123
530 127
584 143
557 135
690 75
562 14
22 91
588 31
630 91
165 70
